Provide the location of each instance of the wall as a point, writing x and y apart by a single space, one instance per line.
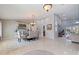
9 28
0 30
57 21
44 21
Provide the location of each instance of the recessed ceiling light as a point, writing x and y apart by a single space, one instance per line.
77 22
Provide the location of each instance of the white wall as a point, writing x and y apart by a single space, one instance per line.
57 21
45 21
0 30
9 28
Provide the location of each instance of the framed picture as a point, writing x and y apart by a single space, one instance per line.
49 26
21 26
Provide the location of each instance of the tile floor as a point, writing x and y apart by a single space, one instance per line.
57 46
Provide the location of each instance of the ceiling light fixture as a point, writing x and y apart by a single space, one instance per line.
33 23
77 22
47 7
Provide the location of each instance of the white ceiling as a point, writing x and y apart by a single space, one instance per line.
20 11
67 11
26 11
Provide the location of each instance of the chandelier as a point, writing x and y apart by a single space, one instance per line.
33 23
47 7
